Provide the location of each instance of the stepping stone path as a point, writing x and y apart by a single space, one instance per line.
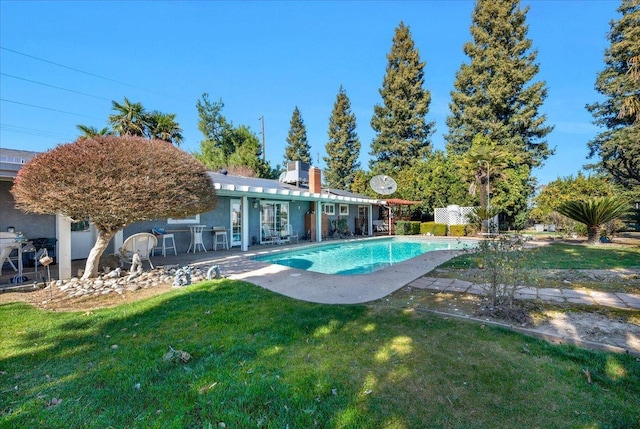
573 296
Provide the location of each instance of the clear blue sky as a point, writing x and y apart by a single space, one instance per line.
264 58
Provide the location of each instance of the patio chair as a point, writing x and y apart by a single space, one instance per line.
380 226
8 244
142 244
290 233
267 234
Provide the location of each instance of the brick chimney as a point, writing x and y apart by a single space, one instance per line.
315 180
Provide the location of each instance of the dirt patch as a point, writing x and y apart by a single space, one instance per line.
56 300
619 328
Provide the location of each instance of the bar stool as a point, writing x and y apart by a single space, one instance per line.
165 245
220 237
196 238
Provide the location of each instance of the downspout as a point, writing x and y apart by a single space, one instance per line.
319 221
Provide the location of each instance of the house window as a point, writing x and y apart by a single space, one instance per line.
190 219
329 209
344 209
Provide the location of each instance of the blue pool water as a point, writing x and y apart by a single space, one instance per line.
358 257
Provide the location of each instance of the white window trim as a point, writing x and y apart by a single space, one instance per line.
329 209
344 210
192 219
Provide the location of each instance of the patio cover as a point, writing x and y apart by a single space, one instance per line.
399 202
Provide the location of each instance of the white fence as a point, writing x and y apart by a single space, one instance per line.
452 215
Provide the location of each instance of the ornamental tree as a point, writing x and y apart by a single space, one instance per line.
594 212
114 181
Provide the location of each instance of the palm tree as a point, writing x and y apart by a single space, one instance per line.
484 163
88 131
163 126
129 119
594 212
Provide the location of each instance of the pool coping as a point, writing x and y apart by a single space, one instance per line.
331 288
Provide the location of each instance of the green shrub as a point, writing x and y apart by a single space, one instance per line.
470 230
404 227
457 230
433 228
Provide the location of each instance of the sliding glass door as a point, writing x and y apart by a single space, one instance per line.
274 217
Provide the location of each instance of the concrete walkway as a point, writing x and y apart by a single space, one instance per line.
570 296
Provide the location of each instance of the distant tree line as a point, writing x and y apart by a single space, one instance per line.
496 131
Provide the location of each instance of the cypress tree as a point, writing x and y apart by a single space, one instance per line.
343 147
298 148
495 97
402 133
619 146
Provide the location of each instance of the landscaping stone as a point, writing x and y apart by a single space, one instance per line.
110 282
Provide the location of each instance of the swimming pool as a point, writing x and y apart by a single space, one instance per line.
359 257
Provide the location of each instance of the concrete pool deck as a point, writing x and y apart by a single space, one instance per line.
299 284
327 288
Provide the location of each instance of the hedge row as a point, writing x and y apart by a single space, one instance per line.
432 228
404 227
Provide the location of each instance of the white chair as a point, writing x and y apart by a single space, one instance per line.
380 226
290 233
196 238
267 235
8 244
220 237
142 244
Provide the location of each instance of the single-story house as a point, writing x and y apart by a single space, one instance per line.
247 207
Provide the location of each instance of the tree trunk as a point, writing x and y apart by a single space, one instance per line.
93 261
592 234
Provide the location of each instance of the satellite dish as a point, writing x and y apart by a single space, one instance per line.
383 184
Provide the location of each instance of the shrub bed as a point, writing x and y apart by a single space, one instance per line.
433 228
457 230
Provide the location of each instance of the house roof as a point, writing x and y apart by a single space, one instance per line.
12 160
228 185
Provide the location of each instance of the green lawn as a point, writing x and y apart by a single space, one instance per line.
263 360
566 256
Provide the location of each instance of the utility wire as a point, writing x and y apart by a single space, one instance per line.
53 86
45 108
31 131
80 71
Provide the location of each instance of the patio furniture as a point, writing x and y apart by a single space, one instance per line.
380 226
161 234
267 234
290 233
196 238
142 244
220 237
8 244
